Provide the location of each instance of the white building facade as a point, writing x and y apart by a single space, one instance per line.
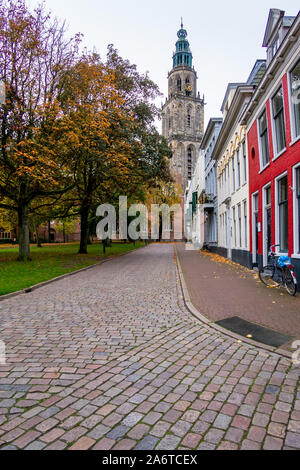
231 155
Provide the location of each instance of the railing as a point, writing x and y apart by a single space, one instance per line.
206 198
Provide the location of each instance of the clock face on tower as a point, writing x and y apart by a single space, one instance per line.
182 34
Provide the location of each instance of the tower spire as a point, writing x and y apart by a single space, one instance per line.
183 55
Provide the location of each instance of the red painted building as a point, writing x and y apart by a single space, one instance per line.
272 121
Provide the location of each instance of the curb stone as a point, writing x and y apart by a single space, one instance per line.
195 312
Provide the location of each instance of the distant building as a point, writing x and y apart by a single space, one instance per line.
209 197
194 214
7 236
201 196
183 113
272 121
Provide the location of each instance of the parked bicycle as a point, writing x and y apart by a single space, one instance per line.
279 272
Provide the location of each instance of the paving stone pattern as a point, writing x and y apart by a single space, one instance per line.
111 359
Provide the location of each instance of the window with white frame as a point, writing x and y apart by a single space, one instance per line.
234 225
238 169
264 139
295 99
228 180
240 225
233 174
283 230
278 121
274 47
244 161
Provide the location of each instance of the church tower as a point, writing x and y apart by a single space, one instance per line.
183 112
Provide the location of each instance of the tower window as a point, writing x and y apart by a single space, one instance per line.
179 84
190 163
189 119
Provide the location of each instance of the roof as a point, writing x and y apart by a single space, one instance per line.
280 56
209 129
275 16
230 87
257 72
243 93
288 20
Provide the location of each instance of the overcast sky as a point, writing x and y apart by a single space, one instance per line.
225 36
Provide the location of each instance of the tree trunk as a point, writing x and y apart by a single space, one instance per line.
49 231
84 228
23 227
38 240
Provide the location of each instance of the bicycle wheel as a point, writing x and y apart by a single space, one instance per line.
266 275
288 281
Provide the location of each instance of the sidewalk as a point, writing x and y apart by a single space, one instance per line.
220 289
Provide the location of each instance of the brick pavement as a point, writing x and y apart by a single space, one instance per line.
224 290
111 359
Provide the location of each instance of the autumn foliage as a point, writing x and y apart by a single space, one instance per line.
75 130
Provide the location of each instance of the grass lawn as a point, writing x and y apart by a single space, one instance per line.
49 262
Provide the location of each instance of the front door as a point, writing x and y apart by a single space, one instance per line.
267 225
255 229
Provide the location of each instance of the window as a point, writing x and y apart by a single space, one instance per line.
274 47
179 84
5 235
238 169
295 91
278 119
189 119
234 225
245 224
190 163
244 161
297 225
283 213
228 182
233 174
264 141
269 196
240 224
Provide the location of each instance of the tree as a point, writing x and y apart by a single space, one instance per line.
33 56
66 226
92 133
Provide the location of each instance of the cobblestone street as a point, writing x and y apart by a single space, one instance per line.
112 359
